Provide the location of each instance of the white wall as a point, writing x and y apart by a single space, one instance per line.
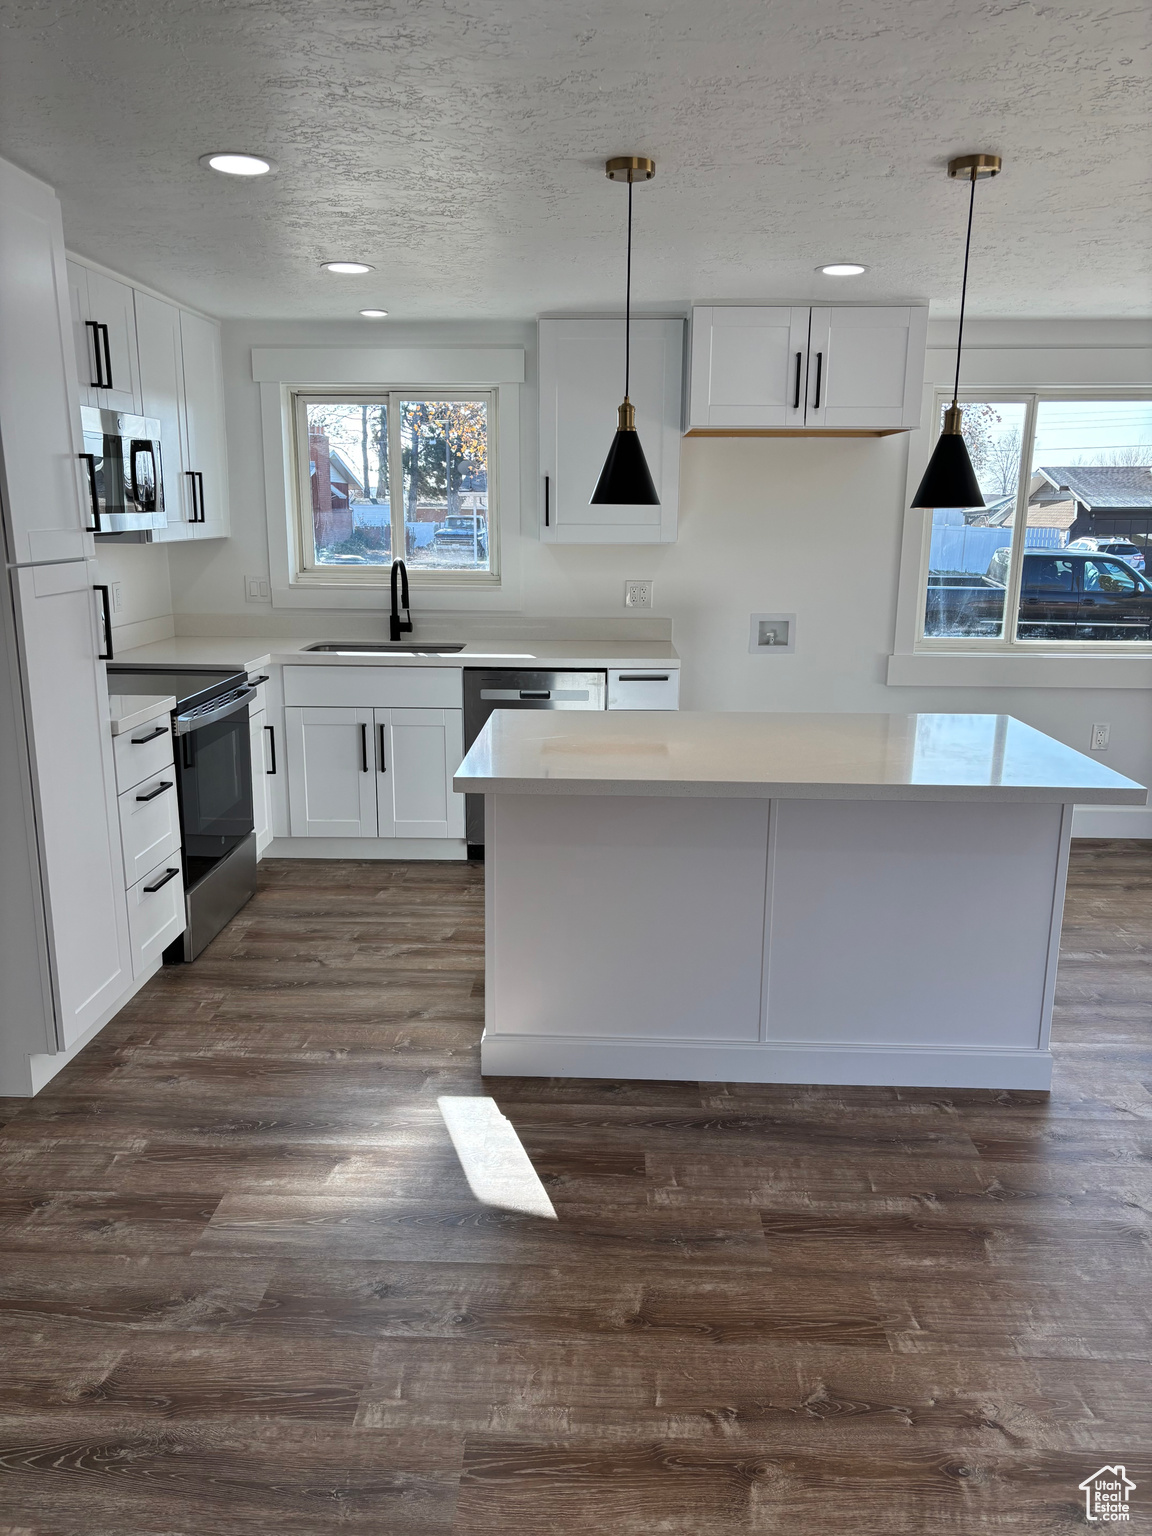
806 526
145 612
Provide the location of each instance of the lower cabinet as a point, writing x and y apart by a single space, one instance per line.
356 772
263 748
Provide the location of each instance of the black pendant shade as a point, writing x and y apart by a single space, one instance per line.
625 479
949 480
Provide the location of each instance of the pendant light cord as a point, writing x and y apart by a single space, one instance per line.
628 295
963 285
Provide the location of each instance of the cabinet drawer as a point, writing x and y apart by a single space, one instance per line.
149 825
644 688
156 916
358 687
142 753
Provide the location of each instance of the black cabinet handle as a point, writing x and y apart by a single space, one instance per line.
796 399
546 499
139 741
363 747
819 371
643 677
159 790
106 607
526 693
191 473
200 480
89 460
169 874
107 358
271 729
383 764
254 682
99 382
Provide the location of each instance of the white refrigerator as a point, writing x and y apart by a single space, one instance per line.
65 963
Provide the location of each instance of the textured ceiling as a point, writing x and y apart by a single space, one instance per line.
458 146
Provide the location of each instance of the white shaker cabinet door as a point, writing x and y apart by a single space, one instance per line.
82 867
581 386
417 752
204 440
749 366
331 772
261 792
43 506
112 308
162 394
866 368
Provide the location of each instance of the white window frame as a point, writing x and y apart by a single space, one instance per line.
311 573
1008 644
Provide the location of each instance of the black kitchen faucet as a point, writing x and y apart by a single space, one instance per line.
396 627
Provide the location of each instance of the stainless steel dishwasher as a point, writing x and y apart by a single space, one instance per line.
486 689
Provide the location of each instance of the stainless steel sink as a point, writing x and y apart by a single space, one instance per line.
382 648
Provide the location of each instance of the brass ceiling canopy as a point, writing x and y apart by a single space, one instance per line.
974 167
633 168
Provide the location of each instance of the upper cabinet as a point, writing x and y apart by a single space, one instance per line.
581 386
104 328
164 363
762 368
42 500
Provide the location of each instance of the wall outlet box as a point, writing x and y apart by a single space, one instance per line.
257 590
772 634
1100 732
637 594
117 596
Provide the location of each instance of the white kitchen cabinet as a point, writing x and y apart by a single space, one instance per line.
104 329
581 386
749 365
156 912
81 863
205 454
43 500
158 340
417 752
331 772
799 369
359 772
261 745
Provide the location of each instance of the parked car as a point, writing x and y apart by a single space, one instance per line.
1130 553
461 527
1064 595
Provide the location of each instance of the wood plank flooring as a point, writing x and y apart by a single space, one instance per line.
245 1285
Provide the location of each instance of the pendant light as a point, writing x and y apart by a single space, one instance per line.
950 480
625 479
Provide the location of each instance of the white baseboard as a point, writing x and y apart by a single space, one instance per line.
400 849
711 1062
1112 821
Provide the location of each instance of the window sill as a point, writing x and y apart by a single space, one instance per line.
967 669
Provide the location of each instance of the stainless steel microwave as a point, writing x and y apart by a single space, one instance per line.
125 476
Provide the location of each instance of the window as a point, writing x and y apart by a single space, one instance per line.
1061 551
393 473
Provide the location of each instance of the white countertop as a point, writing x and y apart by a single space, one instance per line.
785 756
128 710
247 654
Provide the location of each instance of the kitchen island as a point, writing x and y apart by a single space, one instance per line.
824 898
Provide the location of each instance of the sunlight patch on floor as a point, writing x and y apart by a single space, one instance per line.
498 1170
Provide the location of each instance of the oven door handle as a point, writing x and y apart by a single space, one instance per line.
194 719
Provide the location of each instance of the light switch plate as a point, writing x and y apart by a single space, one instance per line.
637 594
257 590
772 634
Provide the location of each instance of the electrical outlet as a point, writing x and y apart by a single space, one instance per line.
1100 733
637 594
256 590
117 596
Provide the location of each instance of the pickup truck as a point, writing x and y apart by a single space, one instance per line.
461 528
1064 595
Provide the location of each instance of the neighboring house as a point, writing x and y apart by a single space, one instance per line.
1107 1494
1079 499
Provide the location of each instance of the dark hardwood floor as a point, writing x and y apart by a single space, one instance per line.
245 1286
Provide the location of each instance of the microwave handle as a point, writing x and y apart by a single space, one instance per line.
141 447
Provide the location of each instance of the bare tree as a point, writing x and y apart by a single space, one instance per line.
1134 456
1002 461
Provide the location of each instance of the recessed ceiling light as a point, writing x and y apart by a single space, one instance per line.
374 314
232 163
348 268
843 269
